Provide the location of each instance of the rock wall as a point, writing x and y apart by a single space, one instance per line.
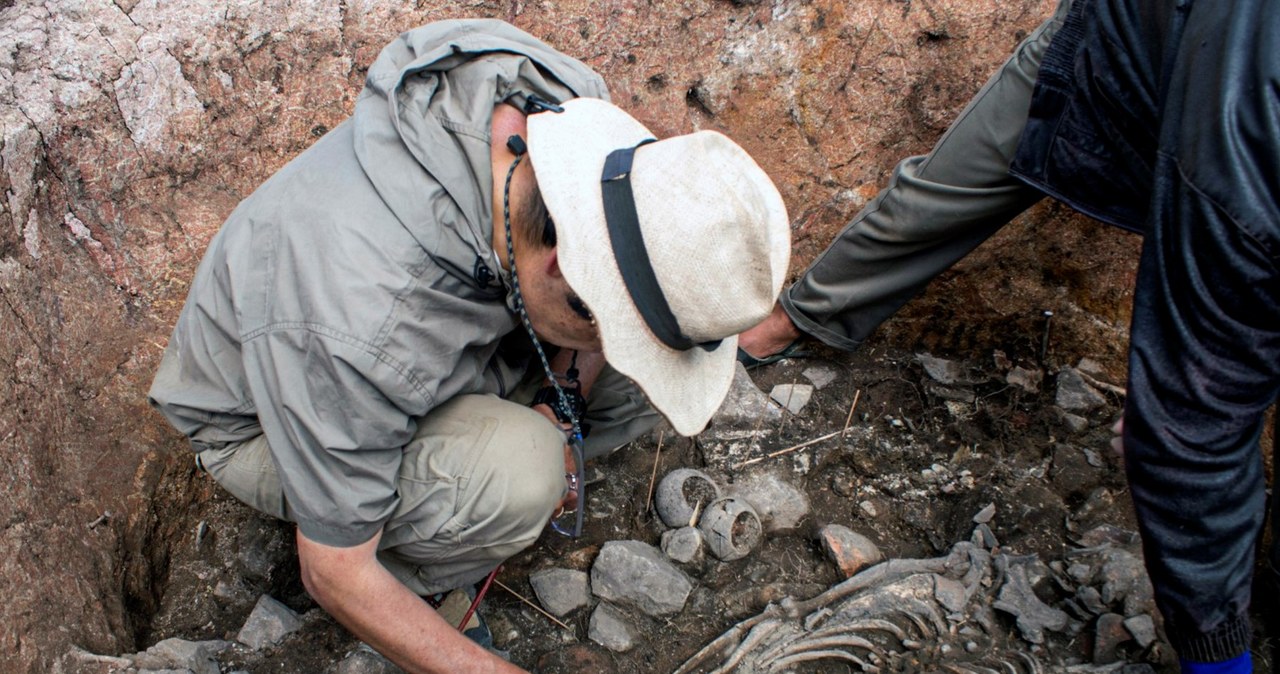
130 129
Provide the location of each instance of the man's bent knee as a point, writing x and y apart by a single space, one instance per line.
477 484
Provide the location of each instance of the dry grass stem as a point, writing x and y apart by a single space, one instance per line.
755 432
849 419
786 409
648 503
790 449
532 605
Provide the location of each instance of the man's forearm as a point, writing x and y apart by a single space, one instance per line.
358 592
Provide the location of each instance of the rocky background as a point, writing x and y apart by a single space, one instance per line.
130 129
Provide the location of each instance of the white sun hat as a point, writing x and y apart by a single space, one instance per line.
671 281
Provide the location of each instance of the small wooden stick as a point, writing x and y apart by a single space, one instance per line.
648 503
793 448
786 409
755 432
531 604
849 419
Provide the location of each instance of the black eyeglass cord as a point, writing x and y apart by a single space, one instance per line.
516 144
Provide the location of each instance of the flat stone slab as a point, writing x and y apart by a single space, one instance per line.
638 575
269 622
683 545
561 591
820 376
780 504
792 397
198 657
1075 395
609 628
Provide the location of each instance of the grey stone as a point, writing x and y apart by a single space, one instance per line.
1019 599
1074 395
779 503
683 545
1091 600
1108 635
952 394
182 655
365 661
1104 534
609 628
269 622
819 376
947 372
1080 572
950 593
1027 380
868 508
1074 422
792 397
1143 629
635 574
561 591
984 516
1125 582
745 408
984 537
1090 367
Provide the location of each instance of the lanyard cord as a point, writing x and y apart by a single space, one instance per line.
575 440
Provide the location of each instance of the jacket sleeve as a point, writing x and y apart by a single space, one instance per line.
331 408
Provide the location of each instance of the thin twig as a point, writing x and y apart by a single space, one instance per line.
849 419
755 432
531 604
786 408
648 503
793 448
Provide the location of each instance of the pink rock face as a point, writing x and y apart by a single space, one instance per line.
129 130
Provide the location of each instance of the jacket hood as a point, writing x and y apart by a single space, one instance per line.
422 124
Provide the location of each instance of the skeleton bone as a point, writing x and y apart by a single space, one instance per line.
900 611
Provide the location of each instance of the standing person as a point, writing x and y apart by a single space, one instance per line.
362 341
1161 116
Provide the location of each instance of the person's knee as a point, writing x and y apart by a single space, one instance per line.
524 476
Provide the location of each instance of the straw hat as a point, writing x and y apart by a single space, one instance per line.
714 229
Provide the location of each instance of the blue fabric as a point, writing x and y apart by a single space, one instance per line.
1241 664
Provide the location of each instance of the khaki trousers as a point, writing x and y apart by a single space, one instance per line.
477 484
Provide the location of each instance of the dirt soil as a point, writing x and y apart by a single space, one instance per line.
925 466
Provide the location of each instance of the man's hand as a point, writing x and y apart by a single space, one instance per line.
356 590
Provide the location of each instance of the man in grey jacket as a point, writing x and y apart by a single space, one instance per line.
351 356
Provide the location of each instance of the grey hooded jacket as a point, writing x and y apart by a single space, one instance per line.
357 289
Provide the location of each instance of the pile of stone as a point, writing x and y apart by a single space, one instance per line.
631 581
268 624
